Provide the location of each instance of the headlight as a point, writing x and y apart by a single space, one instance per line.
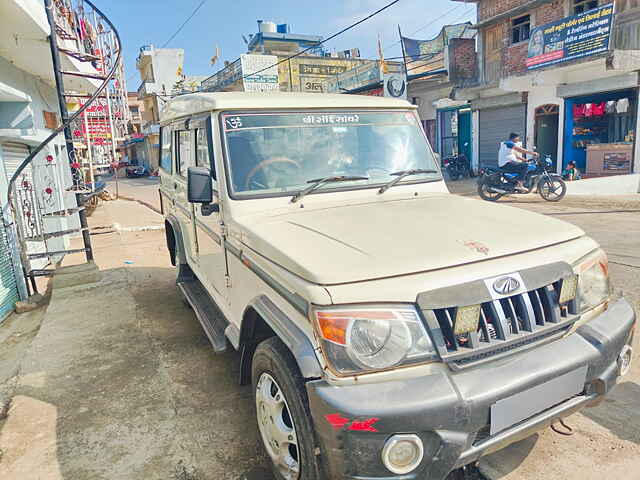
367 339
593 280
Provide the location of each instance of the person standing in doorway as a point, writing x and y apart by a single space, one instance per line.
510 161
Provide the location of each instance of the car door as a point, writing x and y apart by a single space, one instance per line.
208 222
184 146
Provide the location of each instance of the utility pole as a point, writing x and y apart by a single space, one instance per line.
64 117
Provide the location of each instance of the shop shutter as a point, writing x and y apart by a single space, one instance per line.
8 287
13 154
495 126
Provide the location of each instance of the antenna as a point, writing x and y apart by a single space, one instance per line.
245 40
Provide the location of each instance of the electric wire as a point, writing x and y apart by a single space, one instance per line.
331 37
195 10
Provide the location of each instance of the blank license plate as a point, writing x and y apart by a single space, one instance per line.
518 407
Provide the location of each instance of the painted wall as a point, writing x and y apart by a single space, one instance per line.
159 67
23 122
542 96
25 115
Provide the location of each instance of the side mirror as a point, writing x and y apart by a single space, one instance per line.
199 185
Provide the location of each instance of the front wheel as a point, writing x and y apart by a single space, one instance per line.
486 193
454 174
552 189
283 414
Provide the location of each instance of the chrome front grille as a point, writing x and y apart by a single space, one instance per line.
505 324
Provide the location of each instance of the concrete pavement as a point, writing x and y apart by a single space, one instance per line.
143 189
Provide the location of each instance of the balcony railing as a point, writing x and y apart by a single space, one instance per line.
223 78
147 88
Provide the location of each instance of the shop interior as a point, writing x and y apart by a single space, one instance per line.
599 133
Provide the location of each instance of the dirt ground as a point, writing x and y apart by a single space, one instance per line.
147 399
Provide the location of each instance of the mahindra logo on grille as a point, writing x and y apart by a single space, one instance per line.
506 285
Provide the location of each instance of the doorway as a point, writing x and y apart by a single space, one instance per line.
464 133
546 131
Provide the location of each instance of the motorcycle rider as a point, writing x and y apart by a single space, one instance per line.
509 160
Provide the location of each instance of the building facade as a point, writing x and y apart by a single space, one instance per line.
311 72
160 72
563 74
29 111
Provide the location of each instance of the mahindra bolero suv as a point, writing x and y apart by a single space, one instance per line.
389 329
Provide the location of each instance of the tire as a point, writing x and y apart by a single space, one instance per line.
485 193
454 174
279 391
553 189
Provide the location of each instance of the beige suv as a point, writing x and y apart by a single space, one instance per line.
389 328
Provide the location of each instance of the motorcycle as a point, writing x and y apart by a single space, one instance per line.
493 184
457 166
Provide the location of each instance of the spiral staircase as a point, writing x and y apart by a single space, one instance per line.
50 187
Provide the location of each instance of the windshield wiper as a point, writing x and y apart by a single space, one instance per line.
402 174
318 182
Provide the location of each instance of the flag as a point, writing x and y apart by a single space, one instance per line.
383 64
216 56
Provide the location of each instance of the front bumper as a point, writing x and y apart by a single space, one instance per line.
450 411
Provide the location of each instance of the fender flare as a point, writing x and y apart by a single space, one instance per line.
291 335
180 253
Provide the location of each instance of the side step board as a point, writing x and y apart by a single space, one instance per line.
212 319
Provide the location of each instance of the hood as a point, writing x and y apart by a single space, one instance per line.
352 243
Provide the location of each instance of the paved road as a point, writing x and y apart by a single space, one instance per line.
144 189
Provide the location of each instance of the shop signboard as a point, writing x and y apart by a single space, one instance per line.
259 73
571 38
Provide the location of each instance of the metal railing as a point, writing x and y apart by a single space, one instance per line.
60 29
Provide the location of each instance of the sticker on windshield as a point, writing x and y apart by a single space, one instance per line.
233 122
330 119
245 121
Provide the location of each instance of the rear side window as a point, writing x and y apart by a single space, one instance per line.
165 150
202 148
185 151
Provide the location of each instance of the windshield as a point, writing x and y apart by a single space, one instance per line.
270 154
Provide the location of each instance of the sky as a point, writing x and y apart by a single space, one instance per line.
222 23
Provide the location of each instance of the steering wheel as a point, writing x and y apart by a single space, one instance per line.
265 163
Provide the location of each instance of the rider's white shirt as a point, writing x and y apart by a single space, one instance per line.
506 154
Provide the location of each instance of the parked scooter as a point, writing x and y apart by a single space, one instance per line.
496 183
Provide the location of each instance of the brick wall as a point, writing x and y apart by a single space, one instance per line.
462 60
514 56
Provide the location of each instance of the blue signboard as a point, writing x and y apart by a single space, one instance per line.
571 38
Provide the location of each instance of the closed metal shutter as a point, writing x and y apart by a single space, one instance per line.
8 287
495 125
13 154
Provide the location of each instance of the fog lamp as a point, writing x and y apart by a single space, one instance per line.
624 360
467 319
569 289
402 453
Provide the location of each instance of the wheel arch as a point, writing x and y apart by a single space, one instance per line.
175 241
263 319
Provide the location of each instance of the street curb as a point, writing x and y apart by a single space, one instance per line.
141 202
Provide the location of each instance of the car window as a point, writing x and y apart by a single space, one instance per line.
279 153
202 148
165 150
185 151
